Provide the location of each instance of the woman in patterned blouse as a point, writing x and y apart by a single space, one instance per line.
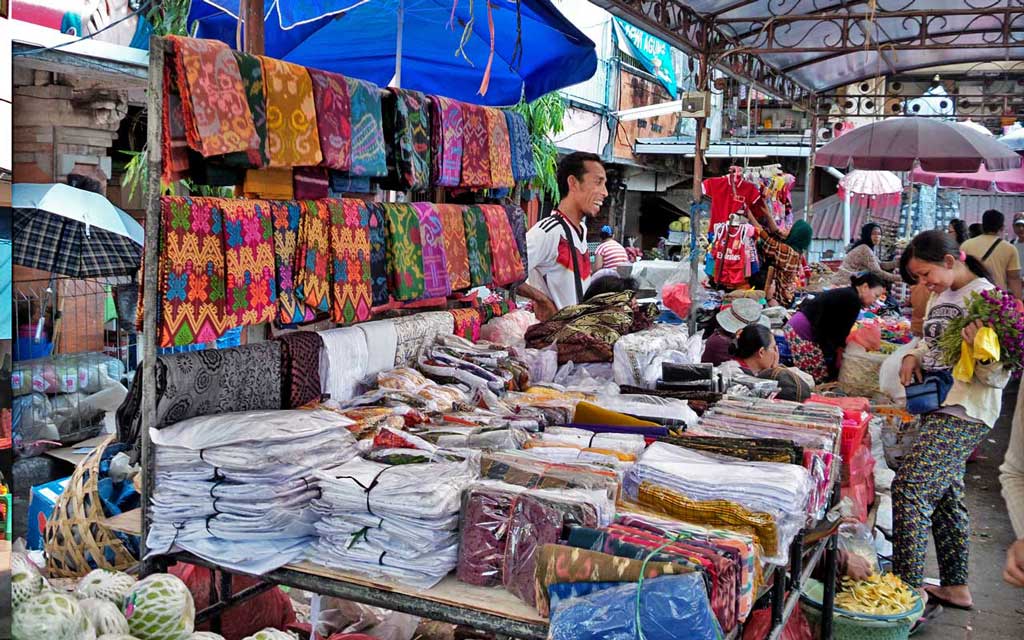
784 260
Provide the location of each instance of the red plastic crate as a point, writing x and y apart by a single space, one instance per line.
853 436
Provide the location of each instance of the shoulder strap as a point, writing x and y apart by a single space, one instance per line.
572 252
991 249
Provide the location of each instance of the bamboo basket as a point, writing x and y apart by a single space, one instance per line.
76 539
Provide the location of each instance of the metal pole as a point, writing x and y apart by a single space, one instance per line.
809 185
254 42
150 281
698 189
397 83
847 196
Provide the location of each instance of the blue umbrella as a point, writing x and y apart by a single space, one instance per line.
359 39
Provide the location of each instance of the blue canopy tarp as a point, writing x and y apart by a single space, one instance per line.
361 42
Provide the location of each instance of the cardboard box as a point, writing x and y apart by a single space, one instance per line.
40 507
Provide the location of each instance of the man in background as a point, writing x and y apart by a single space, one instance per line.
998 255
1018 239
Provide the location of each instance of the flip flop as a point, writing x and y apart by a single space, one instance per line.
932 610
936 598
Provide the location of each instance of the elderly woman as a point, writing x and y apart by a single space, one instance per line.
784 260
862 258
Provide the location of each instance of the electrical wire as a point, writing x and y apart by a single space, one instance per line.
137 13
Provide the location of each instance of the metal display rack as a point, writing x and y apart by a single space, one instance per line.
488 609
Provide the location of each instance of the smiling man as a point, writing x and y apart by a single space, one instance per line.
557 245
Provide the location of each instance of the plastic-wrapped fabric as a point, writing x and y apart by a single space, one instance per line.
667 411
813 426
666 605
346 355
630 445
637 353
509 330
521 469
750 449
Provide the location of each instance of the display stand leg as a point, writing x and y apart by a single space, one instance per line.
796 555
216 596
778 597
828 602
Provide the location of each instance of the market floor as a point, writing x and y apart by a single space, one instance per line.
998 608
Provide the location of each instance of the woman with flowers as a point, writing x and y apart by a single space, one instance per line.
928 492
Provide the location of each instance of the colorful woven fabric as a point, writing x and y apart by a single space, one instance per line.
350 253
173 143
467 323
377 230
310 183
292 137
286 217
270 184
252 79
517 220
455 245
249 245
313 257
446 128
407 136
404 251
523 168
368 150
342 182
217 116
435 262
506 265
300 368
192 271
476 154
478 246
333 118
499 149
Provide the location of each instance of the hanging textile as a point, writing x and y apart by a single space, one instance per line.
506 265
407 136
343 182
300 368
350 252
313 256
378 254
249 244
730 194
173 142
216 112
404 252
478 246
523 168
446 130
435 263
214 172
467 323
732 253
499 150
517 220
368 150
191 271
310 183
292 138
269 184
333 118
252 80
454 230
476 154
286 217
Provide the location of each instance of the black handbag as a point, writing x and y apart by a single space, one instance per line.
929 394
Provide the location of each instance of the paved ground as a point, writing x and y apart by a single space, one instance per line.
999 608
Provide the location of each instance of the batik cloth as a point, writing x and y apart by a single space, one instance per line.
478 246
446 125
523 168
286 218
467 323
310 183
216 112
517 220
407 135
435 262
377 231
350 253
506 264
269 184
807 356
587 332
333 118
499 150
476 154
192 271
313 257
418 331
292 137
368 150
300 368
457 256
249 245
404 252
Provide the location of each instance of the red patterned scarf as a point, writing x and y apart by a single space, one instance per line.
455 245
333 118
476 155
506 263
350 253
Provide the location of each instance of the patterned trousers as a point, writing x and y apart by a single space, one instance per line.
807 356
929 492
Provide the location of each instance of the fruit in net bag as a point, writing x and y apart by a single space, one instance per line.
106 585
160 607
105 616
51 616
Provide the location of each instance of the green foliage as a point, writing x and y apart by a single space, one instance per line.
170 18
544 117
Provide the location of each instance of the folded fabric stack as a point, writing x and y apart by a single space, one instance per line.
782 491
478 366
566 444
670 412
504 525
237 488
397 521
750 449
524 470
638 356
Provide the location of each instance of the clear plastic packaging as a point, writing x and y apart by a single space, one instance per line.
638 356
86 373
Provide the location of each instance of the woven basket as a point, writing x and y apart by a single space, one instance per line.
76 539
859 375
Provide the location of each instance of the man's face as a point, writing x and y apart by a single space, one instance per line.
1018 228
589 191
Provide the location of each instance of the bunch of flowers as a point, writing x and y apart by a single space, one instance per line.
1002 312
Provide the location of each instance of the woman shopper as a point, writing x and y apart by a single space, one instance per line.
729 322
757 354
609 255
862 257
783 260
928 492
818 331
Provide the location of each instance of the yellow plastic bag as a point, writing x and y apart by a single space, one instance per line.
986 347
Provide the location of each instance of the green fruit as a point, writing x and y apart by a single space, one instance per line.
25 585
675 226
160 608
105 616
51 616
20 562
106 585
271 633
205 635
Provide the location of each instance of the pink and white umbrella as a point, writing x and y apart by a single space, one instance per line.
883 186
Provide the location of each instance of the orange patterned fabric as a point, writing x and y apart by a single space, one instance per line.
249 244
350 254
313 256
217 115
476 158
270 184
506 263
293 139
455 245
500 150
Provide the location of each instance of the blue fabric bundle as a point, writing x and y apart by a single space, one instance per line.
523 168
